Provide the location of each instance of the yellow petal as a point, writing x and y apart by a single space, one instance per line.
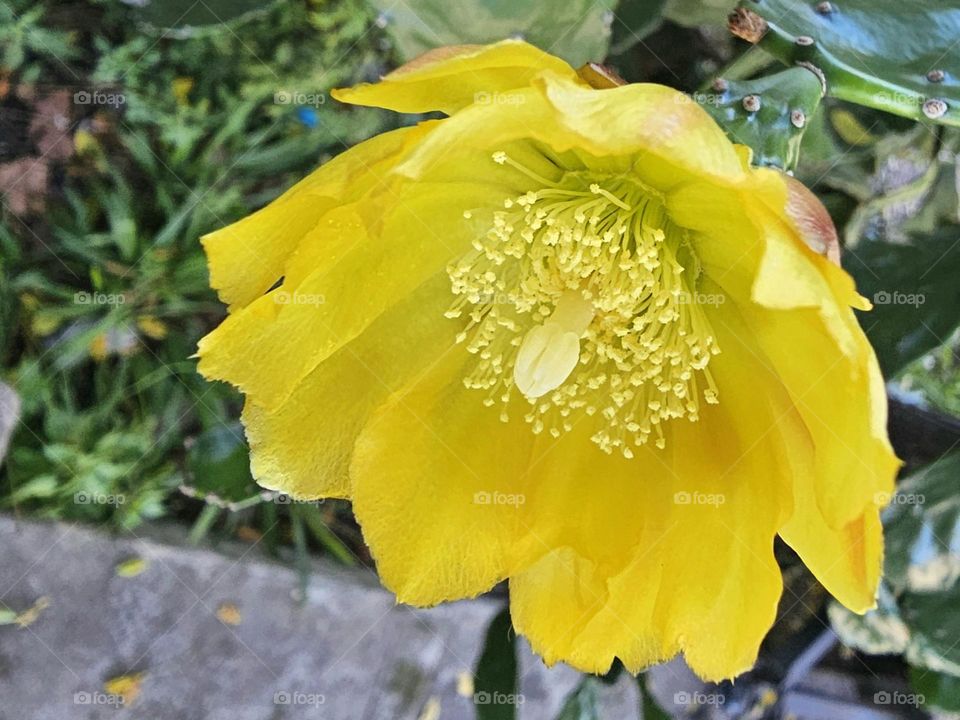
435 488
835 383
450 78
248 257
670 551
419 230
721 583
797 305
651 131
644 118
843 402
303 448
847 561
596 519
560 604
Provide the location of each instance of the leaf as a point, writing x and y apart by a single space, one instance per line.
940 691
769 114
880 632
126 687
583 702
698 12
229 614
579 31
27 617
651 708
37 488
325 536
914 291
184 16
219 465
633 21
495 679
886 54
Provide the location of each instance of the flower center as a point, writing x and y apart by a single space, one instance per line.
581 296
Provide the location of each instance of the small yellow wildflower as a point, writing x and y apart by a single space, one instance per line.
181 88
152 327
570 337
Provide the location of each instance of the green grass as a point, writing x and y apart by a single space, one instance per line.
104 291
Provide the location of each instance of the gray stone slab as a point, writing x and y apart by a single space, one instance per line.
348 651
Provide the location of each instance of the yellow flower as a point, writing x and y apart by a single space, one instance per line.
570 337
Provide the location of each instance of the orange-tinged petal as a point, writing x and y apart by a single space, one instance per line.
811 220
801 317
450 78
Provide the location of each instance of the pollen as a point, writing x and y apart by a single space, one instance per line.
581 297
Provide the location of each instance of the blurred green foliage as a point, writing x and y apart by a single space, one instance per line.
103 284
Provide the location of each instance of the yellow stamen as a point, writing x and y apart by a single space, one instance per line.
577 296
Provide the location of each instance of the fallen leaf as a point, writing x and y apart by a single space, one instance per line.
131 567
26 618
127 687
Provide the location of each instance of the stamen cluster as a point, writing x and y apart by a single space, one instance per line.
644 356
